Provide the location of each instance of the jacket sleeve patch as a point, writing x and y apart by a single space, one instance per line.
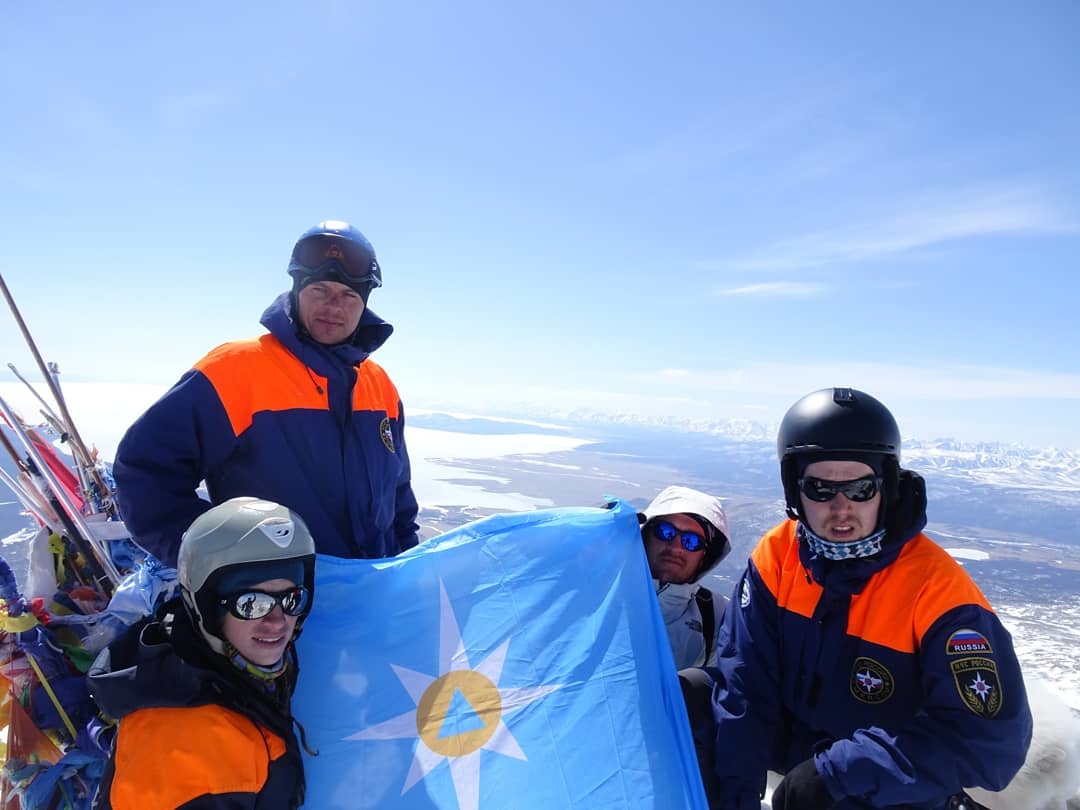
978 684
967 642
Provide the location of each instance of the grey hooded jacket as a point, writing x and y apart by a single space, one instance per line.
678 605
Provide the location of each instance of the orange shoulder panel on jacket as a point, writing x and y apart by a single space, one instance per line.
166 757
374 391
776 559
260 374
906 598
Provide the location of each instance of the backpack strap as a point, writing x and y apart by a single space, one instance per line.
704 600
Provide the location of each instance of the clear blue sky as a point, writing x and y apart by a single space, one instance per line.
697 209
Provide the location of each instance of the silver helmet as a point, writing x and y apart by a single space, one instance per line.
241 533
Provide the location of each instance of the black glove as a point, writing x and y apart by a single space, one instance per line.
802 789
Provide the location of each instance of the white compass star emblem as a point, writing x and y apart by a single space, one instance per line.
458 713
980 687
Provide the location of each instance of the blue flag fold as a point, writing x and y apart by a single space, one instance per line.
519 661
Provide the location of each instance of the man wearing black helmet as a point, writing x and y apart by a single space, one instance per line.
858 658
301 416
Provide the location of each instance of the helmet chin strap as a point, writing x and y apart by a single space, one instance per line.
215 643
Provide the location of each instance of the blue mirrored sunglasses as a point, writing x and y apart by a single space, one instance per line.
821 491
691 541
253 604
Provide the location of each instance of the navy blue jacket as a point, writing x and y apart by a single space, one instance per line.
892 671
316 428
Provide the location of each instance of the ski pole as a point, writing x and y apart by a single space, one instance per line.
4 440
104 572
50 416
34 391
25 498
45 372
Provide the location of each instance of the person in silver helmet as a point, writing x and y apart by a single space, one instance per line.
202 691
857 658
685 533
301 416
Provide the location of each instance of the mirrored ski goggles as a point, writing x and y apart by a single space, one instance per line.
354 263
251 604
858 490
691 541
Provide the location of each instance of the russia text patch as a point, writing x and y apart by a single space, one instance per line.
967 642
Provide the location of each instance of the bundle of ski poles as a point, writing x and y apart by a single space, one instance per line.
45 485
55 745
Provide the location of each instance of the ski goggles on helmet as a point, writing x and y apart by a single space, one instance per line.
691 541
329 254
253 604
821 491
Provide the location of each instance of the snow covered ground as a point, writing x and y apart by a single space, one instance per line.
439 485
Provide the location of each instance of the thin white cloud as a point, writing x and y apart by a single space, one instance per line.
679 152
712 138
931 219
956 382
775 289
833 157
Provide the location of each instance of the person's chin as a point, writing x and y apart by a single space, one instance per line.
327 335
268 660
675 576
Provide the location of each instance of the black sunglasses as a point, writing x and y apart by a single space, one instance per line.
691 541
253 604
354 264
859 490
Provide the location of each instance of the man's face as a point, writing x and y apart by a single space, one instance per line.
840 519
669 561
330 311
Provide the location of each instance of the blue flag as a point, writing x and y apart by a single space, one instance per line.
516 662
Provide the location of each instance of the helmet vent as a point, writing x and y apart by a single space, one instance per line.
278 530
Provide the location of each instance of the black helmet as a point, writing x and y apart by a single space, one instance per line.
241 533
335 251
837 423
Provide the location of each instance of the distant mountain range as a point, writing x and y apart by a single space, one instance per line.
738 429
1004 465
994 463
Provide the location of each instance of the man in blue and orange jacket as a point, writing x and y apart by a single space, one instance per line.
857 657
301 416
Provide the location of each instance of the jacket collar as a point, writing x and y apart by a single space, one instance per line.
281 322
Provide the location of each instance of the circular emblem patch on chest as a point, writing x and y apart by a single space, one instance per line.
386 434
871 682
